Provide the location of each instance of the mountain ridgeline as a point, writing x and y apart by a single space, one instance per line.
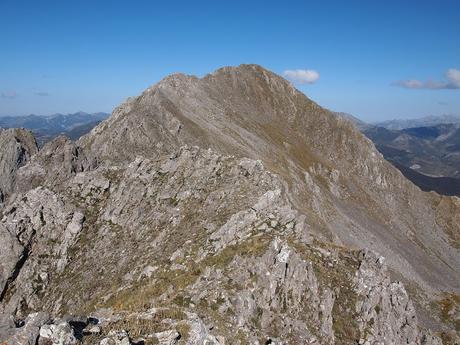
225 209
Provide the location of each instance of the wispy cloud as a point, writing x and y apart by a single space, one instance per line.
41 93
451 81
9 94
302 76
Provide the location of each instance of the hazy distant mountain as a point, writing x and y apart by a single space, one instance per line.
432 151
426 121
46 128
429 156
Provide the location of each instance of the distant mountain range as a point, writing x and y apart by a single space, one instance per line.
45 128
425 150
432 151
427 121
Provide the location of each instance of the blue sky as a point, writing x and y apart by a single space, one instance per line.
374 59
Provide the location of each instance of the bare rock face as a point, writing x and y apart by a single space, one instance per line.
60 334
57 161
213 238
385 310
17 146
227 209
27 333
40 223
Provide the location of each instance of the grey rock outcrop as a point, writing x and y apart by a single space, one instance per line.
385 311
28 333
39 223
116 338
17 146
60 334
56 162
167 337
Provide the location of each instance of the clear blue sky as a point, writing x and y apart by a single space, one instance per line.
65 56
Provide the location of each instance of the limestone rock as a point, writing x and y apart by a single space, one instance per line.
28 333
116 338
40 222
57 161
17 146
60 334
167 337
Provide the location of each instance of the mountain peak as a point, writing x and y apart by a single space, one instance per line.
241 69
227 97
252 72
235 74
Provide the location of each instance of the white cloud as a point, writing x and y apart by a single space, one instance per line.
452 81
410 84
453 77
302 76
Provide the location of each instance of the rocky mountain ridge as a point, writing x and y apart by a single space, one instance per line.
226 203
237 111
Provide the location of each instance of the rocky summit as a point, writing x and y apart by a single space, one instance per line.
228 209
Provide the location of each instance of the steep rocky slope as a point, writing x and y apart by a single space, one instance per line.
227 209
211 243
17 147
